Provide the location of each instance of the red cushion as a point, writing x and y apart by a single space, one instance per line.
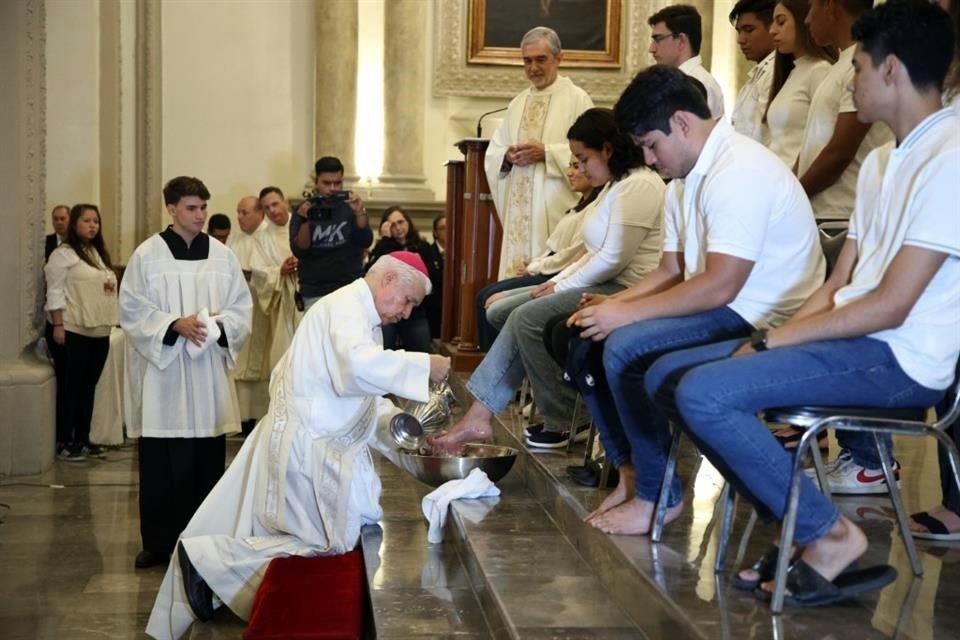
306 598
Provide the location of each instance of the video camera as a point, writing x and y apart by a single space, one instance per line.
322 205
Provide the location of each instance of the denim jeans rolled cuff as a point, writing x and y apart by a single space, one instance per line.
719 402
862 448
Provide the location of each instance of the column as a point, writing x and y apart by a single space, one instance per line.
26 383
404 62
336 81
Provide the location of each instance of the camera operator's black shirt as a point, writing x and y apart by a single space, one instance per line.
335 256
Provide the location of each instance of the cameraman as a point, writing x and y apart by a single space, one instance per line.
329 234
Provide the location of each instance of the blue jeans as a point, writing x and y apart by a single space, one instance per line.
487 333
717 400
630 426
519 350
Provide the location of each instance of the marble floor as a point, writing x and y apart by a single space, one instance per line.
520 566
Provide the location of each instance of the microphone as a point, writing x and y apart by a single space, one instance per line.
480 121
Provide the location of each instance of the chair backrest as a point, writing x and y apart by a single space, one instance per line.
831 246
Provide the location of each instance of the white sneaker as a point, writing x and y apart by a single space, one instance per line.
828 468
851 479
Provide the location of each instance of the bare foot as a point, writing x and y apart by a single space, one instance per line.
949 519
475 426
834 552
623 492
633 518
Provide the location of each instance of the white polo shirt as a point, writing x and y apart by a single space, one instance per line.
752 101
832 98
741 201
910 195
787 114
695 69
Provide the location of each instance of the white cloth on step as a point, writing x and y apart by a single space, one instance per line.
213 334
435 504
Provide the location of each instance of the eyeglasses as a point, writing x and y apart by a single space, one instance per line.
660 37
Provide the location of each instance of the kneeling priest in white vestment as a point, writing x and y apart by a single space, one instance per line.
304 482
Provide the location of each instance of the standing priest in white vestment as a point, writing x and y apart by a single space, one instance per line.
252 370
526 161
185 310
304 482
274 278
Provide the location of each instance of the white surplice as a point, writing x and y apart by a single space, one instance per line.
304 482
273 292
252 370
168 394
531 201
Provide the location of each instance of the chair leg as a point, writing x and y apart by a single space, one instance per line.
790 521
591 438
952 453
728 498
661 510
745 538
897 501
604 473
573 421
821 472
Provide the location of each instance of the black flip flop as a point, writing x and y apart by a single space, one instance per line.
794 439
765 566
810 589
936 530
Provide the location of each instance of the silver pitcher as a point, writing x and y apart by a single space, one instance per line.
421 419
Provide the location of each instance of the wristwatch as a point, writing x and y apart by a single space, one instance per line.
758 340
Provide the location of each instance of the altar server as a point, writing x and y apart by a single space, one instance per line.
185 309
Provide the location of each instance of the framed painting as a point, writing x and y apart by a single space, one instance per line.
589 30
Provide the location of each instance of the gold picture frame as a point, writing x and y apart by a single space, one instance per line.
493 24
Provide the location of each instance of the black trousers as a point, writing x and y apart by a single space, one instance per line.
176 474
60 370
78 363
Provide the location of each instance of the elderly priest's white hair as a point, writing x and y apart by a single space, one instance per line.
407 275
542 33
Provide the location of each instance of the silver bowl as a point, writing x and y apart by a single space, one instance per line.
494 460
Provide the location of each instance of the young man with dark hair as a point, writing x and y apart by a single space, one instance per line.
328 236
675 36
185 310
752 19
881 331
730 265
218 226
835 141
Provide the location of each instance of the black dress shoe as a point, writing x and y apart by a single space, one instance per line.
199 594
589 475
147 559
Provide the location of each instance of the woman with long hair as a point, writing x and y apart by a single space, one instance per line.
564 246
621 237
800 66
82 305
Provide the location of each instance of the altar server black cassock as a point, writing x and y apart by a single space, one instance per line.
180 404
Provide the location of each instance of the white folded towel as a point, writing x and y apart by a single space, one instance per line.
435 504
213 334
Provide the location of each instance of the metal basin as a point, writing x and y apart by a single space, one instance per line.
494 460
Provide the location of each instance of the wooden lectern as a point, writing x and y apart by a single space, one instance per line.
473 252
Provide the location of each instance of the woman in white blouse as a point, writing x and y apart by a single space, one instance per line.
799 68
82 304
564 246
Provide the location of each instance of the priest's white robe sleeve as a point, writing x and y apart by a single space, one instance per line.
497 149
144 322
558 154
358 366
